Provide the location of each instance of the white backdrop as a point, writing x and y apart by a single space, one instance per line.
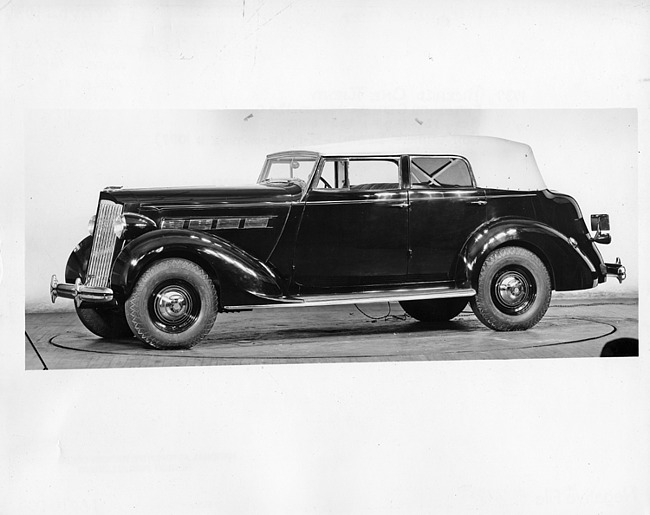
72 154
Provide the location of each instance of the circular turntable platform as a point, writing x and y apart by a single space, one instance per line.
341 334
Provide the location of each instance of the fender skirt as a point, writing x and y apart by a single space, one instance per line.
238 274
568 266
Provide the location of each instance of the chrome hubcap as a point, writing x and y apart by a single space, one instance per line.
174 307
172 304
514 291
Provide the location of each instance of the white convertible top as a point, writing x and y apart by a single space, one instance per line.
496 163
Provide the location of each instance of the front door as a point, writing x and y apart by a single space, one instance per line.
354 230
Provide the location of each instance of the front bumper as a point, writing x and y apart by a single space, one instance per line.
79 292
617 270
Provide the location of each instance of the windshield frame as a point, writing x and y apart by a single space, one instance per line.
283 156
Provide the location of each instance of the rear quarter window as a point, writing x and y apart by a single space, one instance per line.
440 172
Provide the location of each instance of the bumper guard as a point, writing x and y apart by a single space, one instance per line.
79 292
617 270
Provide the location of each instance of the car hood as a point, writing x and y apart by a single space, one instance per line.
271 192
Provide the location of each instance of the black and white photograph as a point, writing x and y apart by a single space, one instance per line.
393 240
288 257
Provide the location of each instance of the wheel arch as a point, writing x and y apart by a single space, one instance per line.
231 269
524 244
568 268
77 265
171 253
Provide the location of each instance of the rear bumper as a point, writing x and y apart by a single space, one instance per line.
617 270
79 292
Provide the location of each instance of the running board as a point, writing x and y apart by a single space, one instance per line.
366 297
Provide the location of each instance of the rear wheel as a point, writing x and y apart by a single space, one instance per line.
173 305
105 322
434 310
513 290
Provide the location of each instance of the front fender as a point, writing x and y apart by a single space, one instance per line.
78 261
235 271
568 266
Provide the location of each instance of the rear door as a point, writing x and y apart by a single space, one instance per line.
445 209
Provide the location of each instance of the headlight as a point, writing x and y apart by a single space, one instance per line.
119 225
91 224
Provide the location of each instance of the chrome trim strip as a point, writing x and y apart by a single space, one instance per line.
512 195
363 298
440 195
226 204
579 251
294 153
355 201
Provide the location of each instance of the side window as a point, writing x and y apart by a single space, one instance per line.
439 172
333 175
360 174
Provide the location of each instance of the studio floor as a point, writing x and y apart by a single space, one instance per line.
573 327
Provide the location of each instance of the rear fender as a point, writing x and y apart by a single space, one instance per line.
234 271
568 267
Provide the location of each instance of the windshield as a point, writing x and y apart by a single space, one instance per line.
288 168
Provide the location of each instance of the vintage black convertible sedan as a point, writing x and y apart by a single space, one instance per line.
432 224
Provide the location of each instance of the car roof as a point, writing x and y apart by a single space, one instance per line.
496 163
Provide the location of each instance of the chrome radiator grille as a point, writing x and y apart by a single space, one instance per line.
101 256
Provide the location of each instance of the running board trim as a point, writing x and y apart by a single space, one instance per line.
362 298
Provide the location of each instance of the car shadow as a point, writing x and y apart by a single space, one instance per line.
620 347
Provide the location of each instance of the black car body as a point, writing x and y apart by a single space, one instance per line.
430 224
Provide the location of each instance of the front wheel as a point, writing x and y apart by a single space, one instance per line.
173 305
513 290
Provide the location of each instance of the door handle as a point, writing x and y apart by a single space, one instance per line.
400 206
478 202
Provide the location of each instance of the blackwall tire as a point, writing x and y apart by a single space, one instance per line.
434 310
106 322
173 305
513 290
